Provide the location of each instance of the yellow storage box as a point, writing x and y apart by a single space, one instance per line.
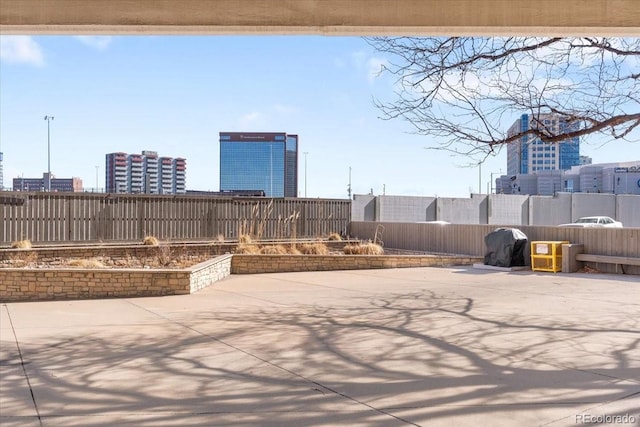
547 256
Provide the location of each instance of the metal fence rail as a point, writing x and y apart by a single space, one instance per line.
72 217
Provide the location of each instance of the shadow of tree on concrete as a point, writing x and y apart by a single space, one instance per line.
406 359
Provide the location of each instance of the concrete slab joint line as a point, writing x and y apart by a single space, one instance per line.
411 346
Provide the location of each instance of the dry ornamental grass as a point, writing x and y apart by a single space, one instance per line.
274 250
21 244
86 263
245 248
334 236
314 249
245 239
364 249
150 241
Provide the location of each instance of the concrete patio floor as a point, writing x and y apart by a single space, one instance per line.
423 346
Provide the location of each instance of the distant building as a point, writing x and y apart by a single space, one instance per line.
39 184
1 174
237 193
152 168
613 178
530 154
145 173
251 161
585 160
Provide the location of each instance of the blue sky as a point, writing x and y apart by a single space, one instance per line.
173 94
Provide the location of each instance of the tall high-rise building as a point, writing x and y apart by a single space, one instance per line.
179 175
151 166
530 154
116 173
145 173
1 174
253 161
135 173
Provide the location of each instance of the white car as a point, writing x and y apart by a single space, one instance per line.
594 221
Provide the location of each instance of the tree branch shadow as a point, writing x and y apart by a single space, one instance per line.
440 357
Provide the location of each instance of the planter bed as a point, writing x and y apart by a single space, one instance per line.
252 264
38 284
127 271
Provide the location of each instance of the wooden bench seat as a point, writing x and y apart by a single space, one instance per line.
622 261
608 259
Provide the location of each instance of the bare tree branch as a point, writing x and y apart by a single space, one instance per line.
466 92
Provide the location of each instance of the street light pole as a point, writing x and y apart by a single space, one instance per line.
48 119
305 173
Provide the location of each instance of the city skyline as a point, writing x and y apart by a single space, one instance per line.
175 94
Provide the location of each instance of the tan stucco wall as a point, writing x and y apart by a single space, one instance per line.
450 17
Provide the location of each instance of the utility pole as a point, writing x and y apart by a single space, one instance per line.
48 119
305 173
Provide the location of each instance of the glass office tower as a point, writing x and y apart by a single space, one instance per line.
253 161
531 155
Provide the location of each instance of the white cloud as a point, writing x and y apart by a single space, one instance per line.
338 63
95 42
372 65
252 120
358 59
284 109
21 50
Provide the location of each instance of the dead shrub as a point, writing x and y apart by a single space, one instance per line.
313 248
24 259
293 250
150 241
164 256
86 263
335 237
245 248
274 250
245 239
21 244
368 248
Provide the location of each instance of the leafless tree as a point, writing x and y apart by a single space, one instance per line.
466 92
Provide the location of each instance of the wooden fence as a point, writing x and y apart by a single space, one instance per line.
468 239
74 217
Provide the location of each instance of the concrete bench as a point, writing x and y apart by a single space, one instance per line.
573 257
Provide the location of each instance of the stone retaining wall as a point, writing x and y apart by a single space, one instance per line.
40 284
124 252
18 284
206 273
251 264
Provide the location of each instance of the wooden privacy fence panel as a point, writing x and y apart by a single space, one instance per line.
468 239
58 217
